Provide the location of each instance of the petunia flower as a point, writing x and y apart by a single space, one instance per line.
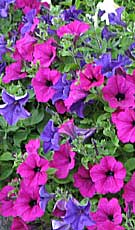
14 72
32 146
63 160
3 48
33 170
70 14
125 125
13 109
115 19
28 5
44 197
4 6
107 34
60 225
108 175
121 94
43 84
75 28
27 204
2 67
78 216
59 209
18 223
30 22
50 137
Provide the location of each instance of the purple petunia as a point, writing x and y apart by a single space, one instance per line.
44 197
50 137
3 48
4 6
13 109
106 34
115 19
70 14
30 22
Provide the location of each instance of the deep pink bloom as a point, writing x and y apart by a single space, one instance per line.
129 192
32 146
13 72
7 199
33 170
27 5
19 224
109 226
108 210
45 53
68 128
83 181
59 209
91 77
60 106
131 77
63 161
76 28
108 175
125 124
76 93
43 84
27 204
121 94
25 47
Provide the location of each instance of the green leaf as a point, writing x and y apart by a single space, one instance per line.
37 116
77 4
130 164
64 181
6 157
20 135
5 170
51 171
128 148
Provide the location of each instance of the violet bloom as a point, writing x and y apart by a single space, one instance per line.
4 6
44 197
121 94
47 19
106 34
78 216
83 181
3 48
108 175
115 19
60 225
30 22
59 209
63 160
13 109
62 88
2 67
50 137
78 107
70 14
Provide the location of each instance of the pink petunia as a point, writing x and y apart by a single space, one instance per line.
91 77
14 72
43 84
32 146
60 107
129 192
121 94
45 53
63 161
7 200
59 209
19 224
76 93
83 181
25 48
76 28
33 170
27 5
68 128
27 204
108 210
108 175
125 124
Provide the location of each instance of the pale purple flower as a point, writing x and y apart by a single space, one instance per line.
77 215
44 197
50 137
4 6
13 109
115 19
60 225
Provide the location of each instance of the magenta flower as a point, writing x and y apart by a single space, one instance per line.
18 223
43 84
76 28
68 128
59 209
125 124
109 226
33 170
108 210
14 72
27 204
121 94
108 175
129 192
91 77
7 200
83 181
60 107
25 47
28 5
32 146
63 161
45 53
76 93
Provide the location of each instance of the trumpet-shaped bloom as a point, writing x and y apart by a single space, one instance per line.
30 22
121 94
50 137
75 28
32 146
108 175
18 223
43 84
33 170
63 157
13 109
83 181
44 197
70 14
59 209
